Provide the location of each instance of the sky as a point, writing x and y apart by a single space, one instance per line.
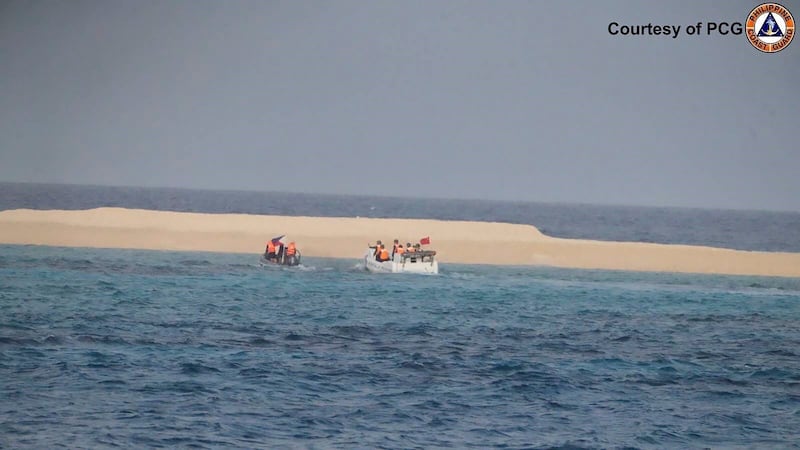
504 100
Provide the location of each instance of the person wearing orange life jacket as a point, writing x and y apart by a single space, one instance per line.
399 250
290 254
409 248
377 249
270 250
384 255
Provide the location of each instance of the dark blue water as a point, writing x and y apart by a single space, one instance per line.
138 349
745 230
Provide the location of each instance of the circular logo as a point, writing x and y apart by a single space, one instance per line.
770 27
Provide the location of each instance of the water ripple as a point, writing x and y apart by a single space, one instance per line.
102 348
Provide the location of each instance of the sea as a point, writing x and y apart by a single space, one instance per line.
109 348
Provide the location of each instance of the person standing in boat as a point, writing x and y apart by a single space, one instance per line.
270 253
291 252
377 247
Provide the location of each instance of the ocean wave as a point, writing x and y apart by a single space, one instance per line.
197 369
231 354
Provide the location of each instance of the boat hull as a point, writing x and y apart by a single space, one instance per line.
285 261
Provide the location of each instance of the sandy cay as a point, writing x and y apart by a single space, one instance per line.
454 241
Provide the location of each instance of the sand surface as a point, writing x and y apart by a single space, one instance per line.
455 241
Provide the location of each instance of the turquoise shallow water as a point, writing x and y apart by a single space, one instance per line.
120 348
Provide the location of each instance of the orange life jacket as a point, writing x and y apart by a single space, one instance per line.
384 254
291 249
399 250
270 247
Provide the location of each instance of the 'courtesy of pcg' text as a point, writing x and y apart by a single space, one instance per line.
673 31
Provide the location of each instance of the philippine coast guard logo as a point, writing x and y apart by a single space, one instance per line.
770 27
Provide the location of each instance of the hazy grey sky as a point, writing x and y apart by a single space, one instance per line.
513 100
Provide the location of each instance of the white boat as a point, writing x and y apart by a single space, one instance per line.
412 262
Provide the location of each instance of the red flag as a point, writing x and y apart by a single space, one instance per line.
425 241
